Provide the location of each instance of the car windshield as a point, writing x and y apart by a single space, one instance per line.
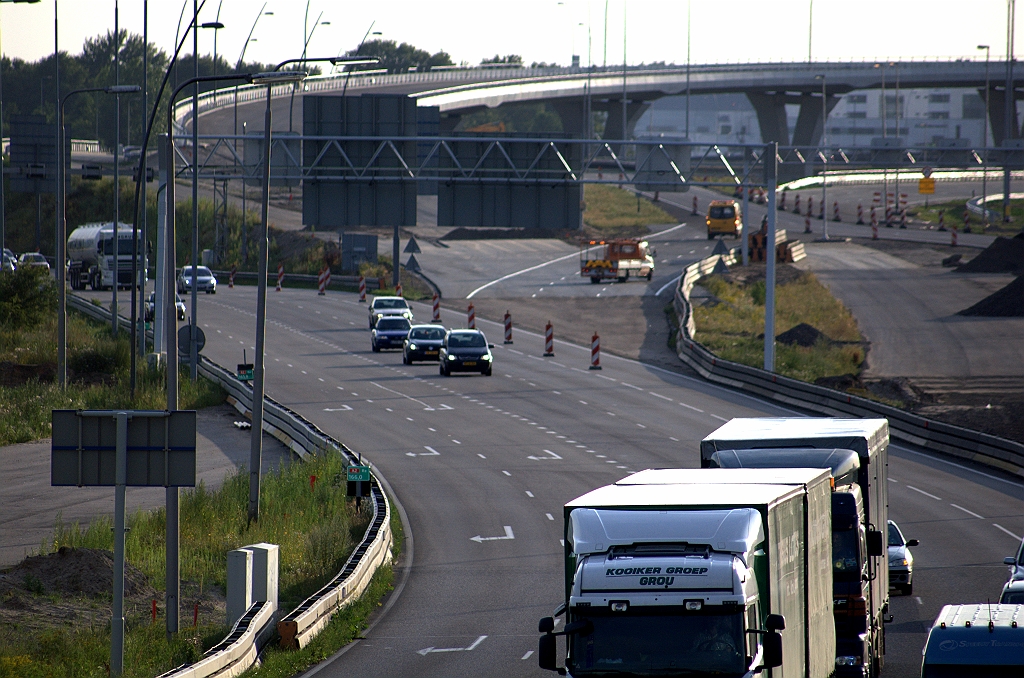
393 324
33 257
722 212
427 334
390 304
846 555
661 642
1013 598
895 538
467 340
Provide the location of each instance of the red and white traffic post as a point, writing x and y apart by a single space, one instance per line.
362 289
694 206
782 202
952 242
549 340
835 211
436 317
321 282
508 327
398 289
471 317
231 276
860 214
280 276
595 352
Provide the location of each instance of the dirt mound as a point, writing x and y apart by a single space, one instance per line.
747 275
898 390
463 233
1004 255
15 374
72 571
801 335
1005 303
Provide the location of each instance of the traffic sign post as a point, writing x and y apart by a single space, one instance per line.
141 448
358 477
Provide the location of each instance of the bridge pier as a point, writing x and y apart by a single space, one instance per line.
996 116
773 122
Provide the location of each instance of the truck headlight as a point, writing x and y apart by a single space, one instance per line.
847 661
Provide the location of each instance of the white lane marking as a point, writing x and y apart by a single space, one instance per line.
604 377
550 363
667 285
1000 527
389 409
670 437
631 386
528 654
427 650
893 480
508 535
927 494
582 402
112 230
918 599
555 392
691 407
549 452
506 473
431 452
658 395
719 418
343 408
601 456
529 494
640 425
480 455
550 517
303 371
610 414
511 350
432 429
456 441
425 406
967 511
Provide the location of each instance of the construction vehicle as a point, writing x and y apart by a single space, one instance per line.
621 259
698 572
91 256
856 452
724 218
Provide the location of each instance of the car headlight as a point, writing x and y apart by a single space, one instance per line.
847 661
451 357
487 357
412 347
899 562
407 315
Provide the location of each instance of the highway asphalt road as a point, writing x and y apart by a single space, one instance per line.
497 457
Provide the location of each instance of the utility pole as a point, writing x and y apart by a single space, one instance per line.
117 172
1009 105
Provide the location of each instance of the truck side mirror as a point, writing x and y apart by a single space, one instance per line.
546 625
546 652
1009 560
772 650
776 622
875 543
912 542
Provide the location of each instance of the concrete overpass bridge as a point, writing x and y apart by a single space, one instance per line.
570 91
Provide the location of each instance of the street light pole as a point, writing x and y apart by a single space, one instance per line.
62 227
984 143
1010 130
824 158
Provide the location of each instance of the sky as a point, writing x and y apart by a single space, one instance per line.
542 30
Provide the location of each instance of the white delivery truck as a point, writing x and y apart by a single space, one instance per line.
860 513
700 573
91 256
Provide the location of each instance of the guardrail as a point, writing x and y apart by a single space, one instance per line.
337 281
989 450
240 649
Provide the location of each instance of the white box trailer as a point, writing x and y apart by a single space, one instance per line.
665 572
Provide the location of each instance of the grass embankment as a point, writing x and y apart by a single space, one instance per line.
953 217
731 324
614 212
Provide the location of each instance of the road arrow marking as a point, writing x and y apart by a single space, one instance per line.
553 456
343 408
431 452
427 650
508 535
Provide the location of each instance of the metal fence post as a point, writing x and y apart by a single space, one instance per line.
771 180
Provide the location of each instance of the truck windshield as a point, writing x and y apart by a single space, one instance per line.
661 642
722 212
846 555
124 246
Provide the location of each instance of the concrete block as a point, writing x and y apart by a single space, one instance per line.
265 569
240 570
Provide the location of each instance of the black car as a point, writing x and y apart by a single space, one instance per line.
179 307
465 351
423 343
389 333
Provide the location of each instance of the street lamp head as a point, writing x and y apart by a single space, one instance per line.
122 89
212 24
353 61
982 46
277 77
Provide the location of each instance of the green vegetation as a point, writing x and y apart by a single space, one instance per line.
398 58
612 211
316 527
953 217
98 365
730 326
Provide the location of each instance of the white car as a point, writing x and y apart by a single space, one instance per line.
1016 564
34 259
382 307
205 280
901 561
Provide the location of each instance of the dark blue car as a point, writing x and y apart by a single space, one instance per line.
389 333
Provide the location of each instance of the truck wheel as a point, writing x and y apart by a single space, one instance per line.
711 236
650 274
594 280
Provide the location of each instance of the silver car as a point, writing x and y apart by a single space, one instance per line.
1016 564
382 307
204 279
901 561
34 259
